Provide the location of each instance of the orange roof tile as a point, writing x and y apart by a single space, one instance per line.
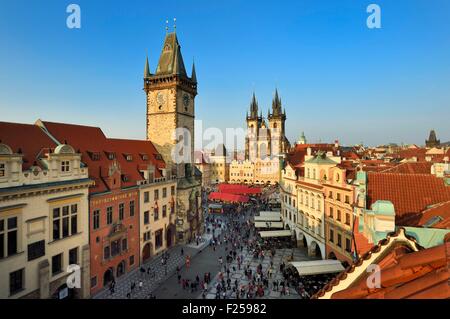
29 139
410 193
411 168
90 140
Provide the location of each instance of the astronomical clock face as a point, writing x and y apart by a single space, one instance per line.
160 100
186 101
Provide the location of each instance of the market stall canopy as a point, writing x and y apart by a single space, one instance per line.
239 189
316 267
231 198
269 214
267 219
269 224
275 233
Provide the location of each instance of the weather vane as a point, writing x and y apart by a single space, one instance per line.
174 23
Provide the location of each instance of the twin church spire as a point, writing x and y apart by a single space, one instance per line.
277 110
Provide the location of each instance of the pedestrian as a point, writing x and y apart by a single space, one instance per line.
141 284
182 251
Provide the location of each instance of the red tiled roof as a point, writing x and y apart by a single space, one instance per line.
297 155
407 275
27 138
440 211
91 140
411 168
410 193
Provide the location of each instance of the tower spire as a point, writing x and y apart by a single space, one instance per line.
146 69
193 74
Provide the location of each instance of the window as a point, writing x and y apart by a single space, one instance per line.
57 264
132 208
339 240
36 250
129 158
16 280
156 213
131 260
65 221
124 244
164 194
147 236
2 170
164 211
115 248
109 215
338 196
330 194
93 282
156 194
121 211
331 236
338 215
348 246
106 252
65 166
172 190
347 218
73 256
331 212
73 219
158 238
347 199
146 217
8 237
146 197
96 219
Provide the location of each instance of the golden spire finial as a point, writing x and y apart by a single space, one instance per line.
167 26
174 23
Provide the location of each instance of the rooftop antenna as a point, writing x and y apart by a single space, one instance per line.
167 26
174 24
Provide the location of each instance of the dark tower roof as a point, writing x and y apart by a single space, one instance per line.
171 61
254 107
276 105
432 140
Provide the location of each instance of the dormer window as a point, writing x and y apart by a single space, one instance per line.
2 170
111 156
95 156
144 157
65 166
158 157
125 178
129 157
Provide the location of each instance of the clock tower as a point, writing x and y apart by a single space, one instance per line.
170 114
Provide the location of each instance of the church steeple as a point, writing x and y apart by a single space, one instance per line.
276 104
254 107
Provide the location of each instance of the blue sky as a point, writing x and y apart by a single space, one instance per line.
337 78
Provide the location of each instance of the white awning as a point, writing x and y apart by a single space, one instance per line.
267 219
316 267
269 225
275 233
269 214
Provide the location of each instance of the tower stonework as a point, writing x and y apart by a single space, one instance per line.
170 111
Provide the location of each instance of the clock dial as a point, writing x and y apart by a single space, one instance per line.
160 99
186 100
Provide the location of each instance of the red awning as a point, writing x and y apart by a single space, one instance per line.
239 189
225 197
